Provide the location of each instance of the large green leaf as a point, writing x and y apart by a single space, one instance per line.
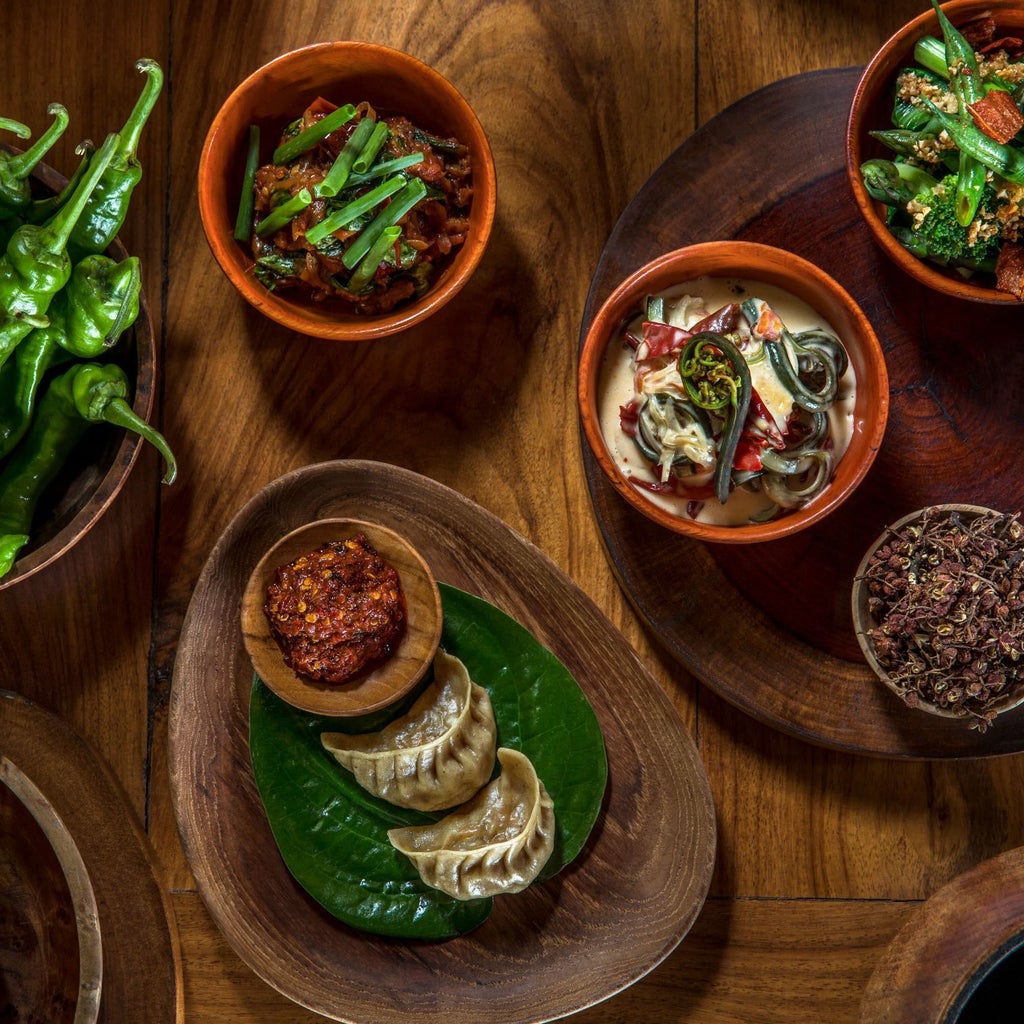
333 835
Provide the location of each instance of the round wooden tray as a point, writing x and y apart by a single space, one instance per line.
596 927
141 968
769 626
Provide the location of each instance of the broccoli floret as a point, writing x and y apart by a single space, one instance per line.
938 235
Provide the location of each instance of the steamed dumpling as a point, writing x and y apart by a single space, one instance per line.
435 756
496 843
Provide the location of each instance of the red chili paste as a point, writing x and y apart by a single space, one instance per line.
336 611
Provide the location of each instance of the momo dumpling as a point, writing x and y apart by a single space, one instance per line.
437 755
496 843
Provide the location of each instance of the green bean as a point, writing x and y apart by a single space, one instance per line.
1005 160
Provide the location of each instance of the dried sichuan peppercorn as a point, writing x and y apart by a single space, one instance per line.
337 611
947 595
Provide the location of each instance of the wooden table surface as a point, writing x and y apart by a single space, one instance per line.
822 856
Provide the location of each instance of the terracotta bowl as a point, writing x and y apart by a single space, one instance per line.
772 266
52 956
383 684
864 621
872 110
341 72
100 467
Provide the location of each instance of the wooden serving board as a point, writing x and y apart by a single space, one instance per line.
607 919
768 626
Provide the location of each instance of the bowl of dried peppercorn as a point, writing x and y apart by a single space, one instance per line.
937 602
347 190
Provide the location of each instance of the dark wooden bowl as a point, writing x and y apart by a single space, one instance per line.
85 490
51 956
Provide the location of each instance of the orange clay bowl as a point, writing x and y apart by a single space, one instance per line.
381 685
755 262
342 72
871 110
94 476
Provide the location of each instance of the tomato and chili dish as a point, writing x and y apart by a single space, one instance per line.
336 612
354 208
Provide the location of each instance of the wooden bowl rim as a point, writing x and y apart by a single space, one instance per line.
76 874
876 76
218 224
863 621
389 681
808 282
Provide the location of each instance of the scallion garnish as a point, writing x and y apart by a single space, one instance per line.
315 133
386 167
286 211
334 180
371 149
243 223
360 205
399 206
368 265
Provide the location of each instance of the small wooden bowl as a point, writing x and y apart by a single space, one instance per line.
342 72
756 262
872 110
864 621
99 468
55 966
391 679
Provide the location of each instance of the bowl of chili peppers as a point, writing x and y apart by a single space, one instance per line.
732 392
938 608
77 353
934 150
347 190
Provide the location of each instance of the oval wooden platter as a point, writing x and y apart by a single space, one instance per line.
769 626
141 976
596 927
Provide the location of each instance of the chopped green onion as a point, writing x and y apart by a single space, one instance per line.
371 149
336 177
399 206
369 263
281 215
243 223
356 208
317 131
386 167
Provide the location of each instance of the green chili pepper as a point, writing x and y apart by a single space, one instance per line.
15 191
43 209
100 302
716 377
106 211
83 395
36 264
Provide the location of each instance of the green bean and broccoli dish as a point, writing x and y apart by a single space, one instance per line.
954 185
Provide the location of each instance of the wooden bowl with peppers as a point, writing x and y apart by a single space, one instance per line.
938 608
934 154
347 190
77 353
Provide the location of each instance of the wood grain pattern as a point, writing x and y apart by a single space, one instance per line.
822 854
615 913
